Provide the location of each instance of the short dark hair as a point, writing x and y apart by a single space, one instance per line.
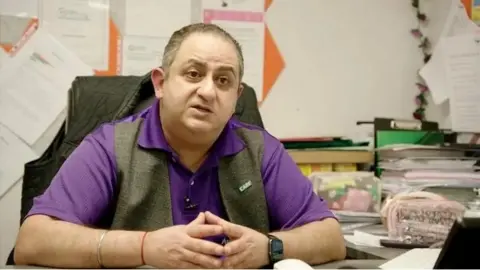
180 35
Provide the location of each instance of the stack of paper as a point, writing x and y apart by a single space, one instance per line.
415 166
360 238
357 217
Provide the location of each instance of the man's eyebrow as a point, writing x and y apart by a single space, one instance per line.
227 68
224 68
193 61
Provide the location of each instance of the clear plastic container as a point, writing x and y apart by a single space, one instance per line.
349 191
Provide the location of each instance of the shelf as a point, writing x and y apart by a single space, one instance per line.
330 156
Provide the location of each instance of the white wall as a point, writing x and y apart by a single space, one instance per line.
345 61
352 60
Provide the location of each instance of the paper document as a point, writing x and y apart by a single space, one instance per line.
349 227
3 56
364 239
248 28
428 164
251 38
12 28
462 59
458 22
42 144
156 18
235 5
13 155
82 26
433 72
144 39
418 258
34 85
434 75
141 54
20 8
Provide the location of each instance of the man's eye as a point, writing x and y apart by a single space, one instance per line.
193 74
223 80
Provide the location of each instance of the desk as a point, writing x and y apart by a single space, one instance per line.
359 264
372 253
23 267
375 229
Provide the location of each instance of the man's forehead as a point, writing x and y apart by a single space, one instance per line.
195 39
220 65
207 48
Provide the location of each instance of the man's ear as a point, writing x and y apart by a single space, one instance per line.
158 80
240 89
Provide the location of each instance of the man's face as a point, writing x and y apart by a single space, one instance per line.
203 83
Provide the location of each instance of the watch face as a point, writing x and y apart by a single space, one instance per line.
276 249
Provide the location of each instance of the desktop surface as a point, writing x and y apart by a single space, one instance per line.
345 264
352 264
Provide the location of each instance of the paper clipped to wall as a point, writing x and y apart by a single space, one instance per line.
34 83
148 26
81 26
462 61
457 23
244 20
14 153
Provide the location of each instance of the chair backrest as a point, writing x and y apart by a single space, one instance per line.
93 101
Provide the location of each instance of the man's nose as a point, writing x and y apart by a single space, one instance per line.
207 90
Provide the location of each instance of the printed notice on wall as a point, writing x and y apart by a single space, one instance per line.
14 153
462 59
81 26
147 27
244 20
34 84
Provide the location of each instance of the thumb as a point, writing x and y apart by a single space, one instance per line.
200 219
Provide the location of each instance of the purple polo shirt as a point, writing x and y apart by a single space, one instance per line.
83 190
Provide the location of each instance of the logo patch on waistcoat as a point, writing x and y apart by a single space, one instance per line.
245 186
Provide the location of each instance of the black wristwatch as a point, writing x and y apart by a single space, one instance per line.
275 249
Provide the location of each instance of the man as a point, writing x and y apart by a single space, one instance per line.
182 184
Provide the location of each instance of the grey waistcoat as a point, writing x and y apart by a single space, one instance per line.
143 187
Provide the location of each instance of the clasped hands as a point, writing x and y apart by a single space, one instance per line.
183 246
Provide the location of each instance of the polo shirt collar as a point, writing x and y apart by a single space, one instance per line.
152 137
228 143
151 133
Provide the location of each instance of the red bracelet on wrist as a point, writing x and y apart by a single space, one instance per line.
141 248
